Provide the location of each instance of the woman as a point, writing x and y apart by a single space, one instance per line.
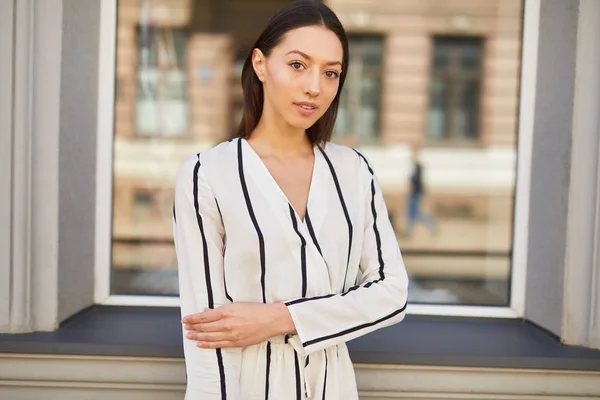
284 246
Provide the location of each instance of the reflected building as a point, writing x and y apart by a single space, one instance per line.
433 80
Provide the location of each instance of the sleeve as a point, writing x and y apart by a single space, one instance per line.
380 297
198 235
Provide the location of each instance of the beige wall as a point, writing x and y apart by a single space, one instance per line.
408 26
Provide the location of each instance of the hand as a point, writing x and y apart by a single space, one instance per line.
238 324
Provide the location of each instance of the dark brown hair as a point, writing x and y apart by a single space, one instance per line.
297 14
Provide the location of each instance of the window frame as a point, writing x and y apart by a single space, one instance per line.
104 177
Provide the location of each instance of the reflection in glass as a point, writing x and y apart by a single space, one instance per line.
419 91
438 104
161 106
358 116
467 120
454 94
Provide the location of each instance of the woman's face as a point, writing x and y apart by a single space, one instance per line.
301 75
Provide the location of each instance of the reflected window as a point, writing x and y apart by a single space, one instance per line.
455 89
146 208
360 103
161 98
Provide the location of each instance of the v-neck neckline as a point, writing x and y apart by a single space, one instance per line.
311 188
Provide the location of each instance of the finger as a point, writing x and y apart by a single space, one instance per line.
216 345
207 336
209 315
207 327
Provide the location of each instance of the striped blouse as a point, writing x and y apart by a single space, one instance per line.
339 271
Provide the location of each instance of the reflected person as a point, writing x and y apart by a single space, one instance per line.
414 212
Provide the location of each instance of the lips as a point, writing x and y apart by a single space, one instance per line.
306 108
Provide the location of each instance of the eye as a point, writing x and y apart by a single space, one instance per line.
332 74
296 65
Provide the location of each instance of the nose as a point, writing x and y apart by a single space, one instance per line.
312 85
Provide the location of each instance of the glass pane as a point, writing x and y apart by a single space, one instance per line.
467 115
438 106
471 54
161 46
342 122
177 74
372 50
457 51
368 116
441 54
161 106
362 91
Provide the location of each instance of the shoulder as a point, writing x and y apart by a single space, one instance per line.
347 158
211 157
197 164
220 154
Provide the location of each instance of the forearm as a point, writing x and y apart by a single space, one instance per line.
282 322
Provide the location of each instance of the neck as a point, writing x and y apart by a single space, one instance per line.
273 134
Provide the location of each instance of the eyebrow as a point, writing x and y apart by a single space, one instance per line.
310 58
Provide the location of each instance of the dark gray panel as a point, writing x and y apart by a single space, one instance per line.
442 341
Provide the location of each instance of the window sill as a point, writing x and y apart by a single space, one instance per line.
419 340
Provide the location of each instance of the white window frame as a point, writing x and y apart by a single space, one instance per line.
104 177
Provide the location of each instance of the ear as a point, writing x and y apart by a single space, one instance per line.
259 63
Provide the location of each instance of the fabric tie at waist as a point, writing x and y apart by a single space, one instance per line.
304 360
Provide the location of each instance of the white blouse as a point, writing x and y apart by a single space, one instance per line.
339 271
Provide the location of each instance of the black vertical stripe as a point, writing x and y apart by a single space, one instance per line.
204 243
225 285
218 208
298 384
377 237
224 250
302 249
261 241
339 191
174 216
325 379
209 290
268 370
312 232
227 295
222 374
374 211
365 160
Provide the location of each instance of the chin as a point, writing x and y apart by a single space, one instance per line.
302 123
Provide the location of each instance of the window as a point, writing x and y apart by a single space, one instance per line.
161 103
360 104
413 102
455 89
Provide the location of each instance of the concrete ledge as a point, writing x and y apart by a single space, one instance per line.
27 376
